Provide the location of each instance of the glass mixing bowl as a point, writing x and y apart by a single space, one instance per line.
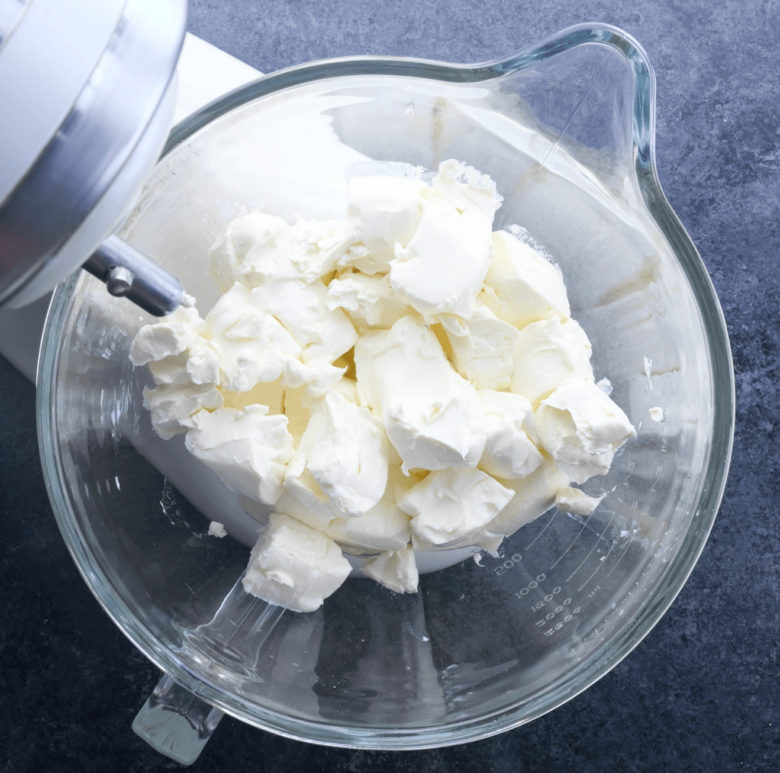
566 129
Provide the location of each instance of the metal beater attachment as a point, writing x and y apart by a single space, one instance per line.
130 274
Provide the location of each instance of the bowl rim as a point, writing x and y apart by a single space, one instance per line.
716 471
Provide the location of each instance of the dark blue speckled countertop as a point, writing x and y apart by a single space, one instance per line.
701 692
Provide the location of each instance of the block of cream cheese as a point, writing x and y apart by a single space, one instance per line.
270 394
454 504
317 245
573 500
467 188
581 428
509 420
248 449
367 299
347 387
322 334
442 268
432 415
546 354
395 569
171 336
482 347
521 286
250 239
316 513
382 212
257 248
294 566
252 345
341 462
175 350
317 376
534 495
198 364
170 404
383 527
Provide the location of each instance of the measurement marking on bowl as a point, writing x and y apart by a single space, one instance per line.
509 563
595 545
619 560
531 585
658 472
527 547
602 563
562 607
570 546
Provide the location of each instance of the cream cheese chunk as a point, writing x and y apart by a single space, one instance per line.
509 420
467 188
395 569
257 248
170 404
657 414
203 364
198 364
384 527
176 351
432 415
294 566
442 268
248 449
573 500
521 286
316 513
581 428
366 299
317 246
533 495
269 393
252 235
482 347
317 376
341 462
546 354
382 212
347 387
453 504
321 333
252 345
171 336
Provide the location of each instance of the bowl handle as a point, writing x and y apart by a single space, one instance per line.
176 722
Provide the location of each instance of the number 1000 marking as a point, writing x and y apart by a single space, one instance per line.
531 585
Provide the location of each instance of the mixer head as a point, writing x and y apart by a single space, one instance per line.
88 89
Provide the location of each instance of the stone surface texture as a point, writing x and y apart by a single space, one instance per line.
701 692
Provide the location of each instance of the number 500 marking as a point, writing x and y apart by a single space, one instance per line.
509 563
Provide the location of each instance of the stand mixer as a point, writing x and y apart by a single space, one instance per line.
88 90
485 646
